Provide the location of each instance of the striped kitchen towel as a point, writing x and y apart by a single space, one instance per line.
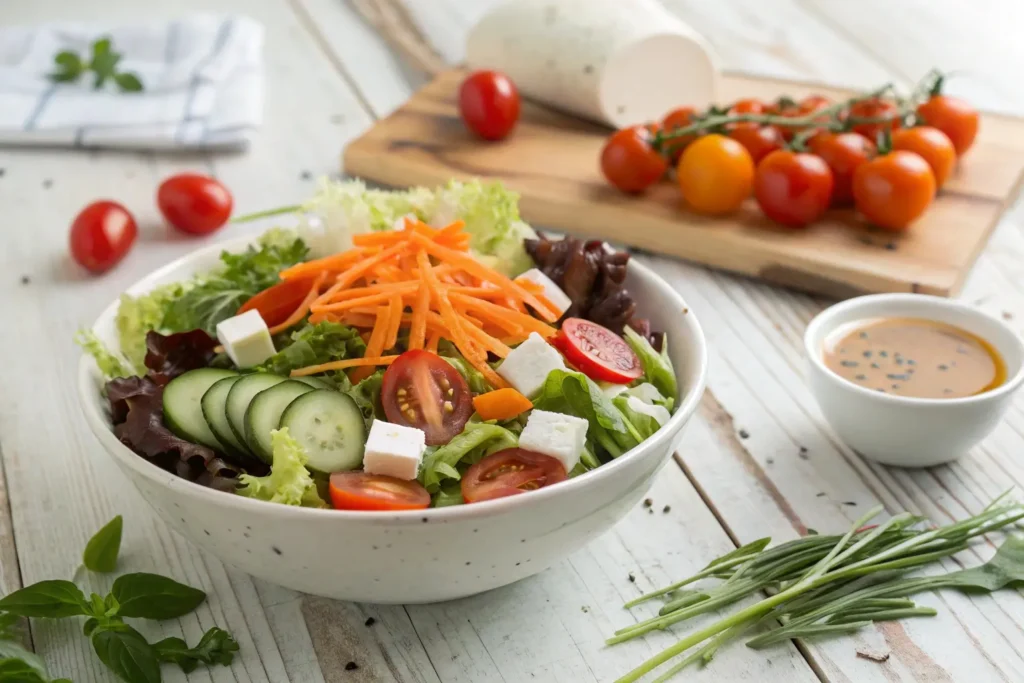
202 82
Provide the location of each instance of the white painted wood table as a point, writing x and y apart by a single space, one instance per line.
757 460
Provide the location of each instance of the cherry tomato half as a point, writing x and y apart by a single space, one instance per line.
759 140
278 302
843 153
793 188
954 117
509 473
715 175
598 352
194 203
629 162
872 109
362 491
101 234
892 191
678 118
420 389
489 104
932 145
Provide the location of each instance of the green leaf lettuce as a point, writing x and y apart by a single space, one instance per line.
289 482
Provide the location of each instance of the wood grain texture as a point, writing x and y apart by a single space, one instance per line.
551 161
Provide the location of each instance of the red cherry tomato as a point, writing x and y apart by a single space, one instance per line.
747 106
873 109
793 188
892 191
629 162
420 389
932 145
489 104
276 303
954 117
101 234
843 153
678 118
193 203
362 491
598 352
509 473
759 140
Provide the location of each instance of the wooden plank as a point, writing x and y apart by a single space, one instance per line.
551 161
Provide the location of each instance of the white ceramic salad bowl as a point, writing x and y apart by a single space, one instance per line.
415 556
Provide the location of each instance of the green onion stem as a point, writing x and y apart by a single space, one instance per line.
245 218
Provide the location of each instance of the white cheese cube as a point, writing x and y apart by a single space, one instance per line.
647 393
561 436
394 450
551 291
246 339
529 364
659 413
612 390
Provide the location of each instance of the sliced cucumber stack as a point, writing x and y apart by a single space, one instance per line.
329 425
214 405
264 415
314 382
242 394
183 410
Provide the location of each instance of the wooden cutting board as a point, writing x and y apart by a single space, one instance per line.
552 160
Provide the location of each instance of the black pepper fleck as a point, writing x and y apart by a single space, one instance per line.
588 69
468 563
584 609
897 377
306 175
424 520
895 386
943 367
864 335
861 377
351 666
744 434
891 246
867 354
883 354
25 279
876 366
911 361
632 578
849 363
667 508
1007 315
850 503
821 494
276 550
206 532
770 461
650 510
648 502
2 172
370 622
47 184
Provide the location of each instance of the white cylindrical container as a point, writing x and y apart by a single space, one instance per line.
612 61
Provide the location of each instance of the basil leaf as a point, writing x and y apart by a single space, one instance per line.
127 654
15 670
215 647
128 82
12 651
101 552
46 599
151 596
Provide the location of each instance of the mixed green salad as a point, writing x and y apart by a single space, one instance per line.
398 350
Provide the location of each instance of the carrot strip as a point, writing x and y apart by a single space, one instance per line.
418 328
501 404
333 262
366 361
394 322
501 319
494 312
449 317
375 346
351 275
355 303
433 341
299 313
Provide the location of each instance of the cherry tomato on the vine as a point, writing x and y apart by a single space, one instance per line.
747 106
629 162
101 234
759 140
954 117
843 152
489 104
194 203
793 188
678 118
715 175
932 145
893 190
874 108
801 109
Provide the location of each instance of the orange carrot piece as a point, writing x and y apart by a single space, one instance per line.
503 320
449 317
335 262
433 341
394 322
418 327
299 313
375 346
357 271
355 303
493 312
343 364
501 404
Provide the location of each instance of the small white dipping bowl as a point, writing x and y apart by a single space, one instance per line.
899 430
415 556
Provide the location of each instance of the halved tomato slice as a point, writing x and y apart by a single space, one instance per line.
598 352
420 389
509 473
362 491
278 302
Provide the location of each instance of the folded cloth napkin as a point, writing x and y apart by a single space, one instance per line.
202 80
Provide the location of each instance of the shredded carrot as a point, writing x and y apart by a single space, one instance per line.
366 361
501 404
433 341
394 322
418 328
494 313
299 313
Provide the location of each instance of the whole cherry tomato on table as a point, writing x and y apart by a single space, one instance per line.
678 118
893 190
793 188
932 145
843 152
509 473
629 162
489 104
715 175
101 234
759 140
874 108
954 117
194 203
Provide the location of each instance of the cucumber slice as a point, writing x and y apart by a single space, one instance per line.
314 382
264 415
183 410
330 427
242 394
214 404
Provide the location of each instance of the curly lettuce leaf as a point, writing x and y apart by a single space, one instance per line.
657 366
477 440
449 493
289 482
474 378
137 315
366 394
644 424
315 344
109 363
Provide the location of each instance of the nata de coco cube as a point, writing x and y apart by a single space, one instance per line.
246 339
529 365
394 450
562 437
